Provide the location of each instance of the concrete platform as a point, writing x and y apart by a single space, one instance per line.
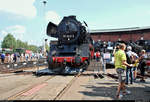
105 89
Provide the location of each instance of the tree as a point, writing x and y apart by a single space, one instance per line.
19 44
33 48
9 42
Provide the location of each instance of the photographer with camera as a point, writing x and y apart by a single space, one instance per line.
120 66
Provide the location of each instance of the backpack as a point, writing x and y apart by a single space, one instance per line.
129 59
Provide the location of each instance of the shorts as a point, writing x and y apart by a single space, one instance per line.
121 75
134 68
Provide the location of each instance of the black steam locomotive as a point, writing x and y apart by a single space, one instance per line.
74 48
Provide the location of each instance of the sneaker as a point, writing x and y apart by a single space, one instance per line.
119 96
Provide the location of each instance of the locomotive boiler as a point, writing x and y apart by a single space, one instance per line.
73 49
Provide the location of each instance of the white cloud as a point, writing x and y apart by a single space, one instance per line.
19 7
3 33
30 42
52 16
17 31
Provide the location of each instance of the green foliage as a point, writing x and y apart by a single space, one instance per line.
33 48
10 42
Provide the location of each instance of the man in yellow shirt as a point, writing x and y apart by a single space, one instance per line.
120 66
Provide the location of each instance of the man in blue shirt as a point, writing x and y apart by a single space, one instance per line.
3 57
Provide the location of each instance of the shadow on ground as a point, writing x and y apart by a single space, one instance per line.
103 90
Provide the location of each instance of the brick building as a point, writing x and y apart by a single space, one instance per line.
125 34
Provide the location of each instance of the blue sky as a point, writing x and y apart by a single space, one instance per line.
27 19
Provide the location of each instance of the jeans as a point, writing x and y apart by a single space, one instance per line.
104 66
129 74
97 59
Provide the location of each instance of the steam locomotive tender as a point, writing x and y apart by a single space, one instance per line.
73 48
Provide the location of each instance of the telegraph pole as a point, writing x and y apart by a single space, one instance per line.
44 47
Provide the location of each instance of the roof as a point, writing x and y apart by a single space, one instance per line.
119 30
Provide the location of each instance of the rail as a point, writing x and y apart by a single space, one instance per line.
65 89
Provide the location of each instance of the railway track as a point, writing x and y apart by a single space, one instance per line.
14 96
44 82
64 90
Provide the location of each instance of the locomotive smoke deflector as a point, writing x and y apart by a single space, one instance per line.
52 30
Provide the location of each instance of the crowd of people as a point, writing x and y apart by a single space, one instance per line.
19 57
127 63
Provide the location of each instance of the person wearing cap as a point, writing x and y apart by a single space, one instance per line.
120 66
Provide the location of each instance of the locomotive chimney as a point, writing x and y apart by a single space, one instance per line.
73 17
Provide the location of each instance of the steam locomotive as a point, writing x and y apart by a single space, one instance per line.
73 49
